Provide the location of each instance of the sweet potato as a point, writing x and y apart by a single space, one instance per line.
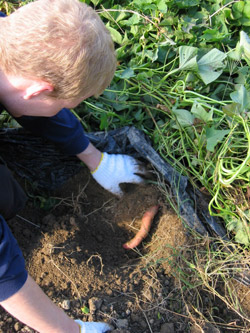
146 223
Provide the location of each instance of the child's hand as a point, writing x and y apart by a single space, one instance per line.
115 169
92 327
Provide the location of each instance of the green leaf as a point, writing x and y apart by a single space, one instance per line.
241 96
245 21
232 109
104 121
143 76
134 30
133 20
120 16
211 65
232 224
139 115
213 35
126 74
120 106
242 237
116 36
236 225
120 52
186 3
85 309
95 2
237 9
246 10
236 54
199 112
245 44
162 6
243 75
184 117
152 55
141 3
162 53
214 136
188 56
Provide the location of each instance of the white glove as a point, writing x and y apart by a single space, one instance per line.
92 327
115 169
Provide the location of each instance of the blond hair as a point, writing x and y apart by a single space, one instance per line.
63 42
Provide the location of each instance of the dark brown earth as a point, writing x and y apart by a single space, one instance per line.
74 252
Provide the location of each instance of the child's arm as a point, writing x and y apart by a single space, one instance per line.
20 295
25 300
32 307
64 129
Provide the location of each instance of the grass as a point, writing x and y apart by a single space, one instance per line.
208 274
212 269
205 272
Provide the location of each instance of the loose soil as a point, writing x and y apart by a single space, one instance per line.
74 252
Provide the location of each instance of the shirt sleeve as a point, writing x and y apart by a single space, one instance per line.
13 274
64 129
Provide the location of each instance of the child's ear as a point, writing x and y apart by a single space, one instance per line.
36 88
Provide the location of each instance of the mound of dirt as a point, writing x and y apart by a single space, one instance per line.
74 252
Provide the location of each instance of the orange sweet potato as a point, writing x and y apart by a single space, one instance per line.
146 223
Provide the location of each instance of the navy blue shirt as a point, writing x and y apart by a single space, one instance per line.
13 274
65 130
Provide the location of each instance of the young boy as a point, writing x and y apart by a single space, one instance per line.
54 54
